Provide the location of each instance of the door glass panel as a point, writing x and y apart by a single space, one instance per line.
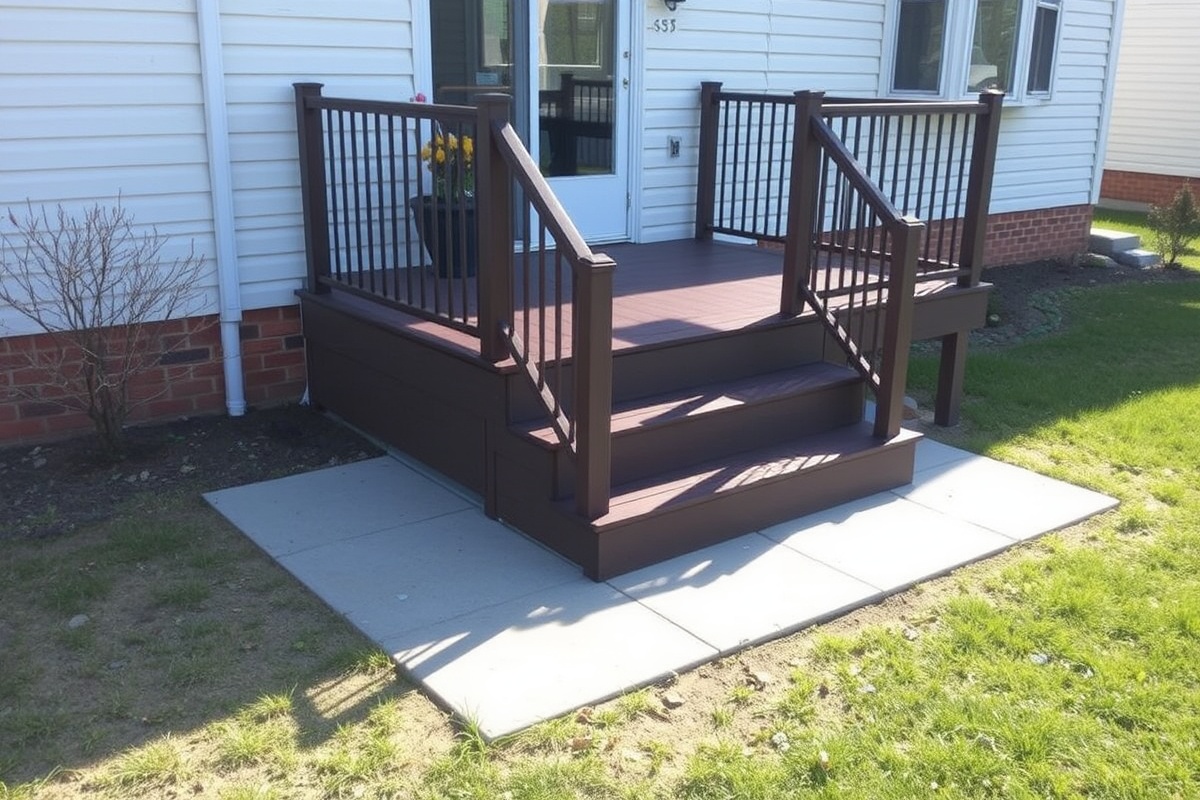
576 57
472 49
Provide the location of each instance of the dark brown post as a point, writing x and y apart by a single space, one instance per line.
897 328
592 345
706 173
312 185
979 187
802 201
953 364
951 371
494 217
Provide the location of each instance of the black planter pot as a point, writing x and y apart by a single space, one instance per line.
453 250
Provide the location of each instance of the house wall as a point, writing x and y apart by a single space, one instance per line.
103 98
1048 150
1152 136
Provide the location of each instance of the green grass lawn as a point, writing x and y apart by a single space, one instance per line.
1135 222
1068 669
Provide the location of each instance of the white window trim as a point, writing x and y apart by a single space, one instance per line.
956 53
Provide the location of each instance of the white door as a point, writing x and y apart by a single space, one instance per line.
579 109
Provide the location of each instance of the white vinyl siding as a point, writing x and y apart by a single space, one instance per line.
360 50
102 98
1155 116
1048 149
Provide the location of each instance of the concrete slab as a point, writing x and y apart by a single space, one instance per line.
744 591
506 633
427 572
1138 258
330 505
907 542
1108 242
1000 497
542 655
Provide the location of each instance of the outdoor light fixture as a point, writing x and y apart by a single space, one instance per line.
670 4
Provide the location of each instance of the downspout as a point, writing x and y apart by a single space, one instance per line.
1110 85
220 174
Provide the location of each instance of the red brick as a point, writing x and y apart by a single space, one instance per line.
21 430
180 389
288 358
175 407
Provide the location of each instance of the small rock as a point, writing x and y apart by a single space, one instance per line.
144 475
186 468
867 688
911 411
1039 658
116 665
823 761
780 742
760 679
38 463
580 743
672 700
78 621
911 634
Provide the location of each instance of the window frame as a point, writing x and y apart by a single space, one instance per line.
957 45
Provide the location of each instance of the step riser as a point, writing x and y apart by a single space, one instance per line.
640 454
640 373
682 530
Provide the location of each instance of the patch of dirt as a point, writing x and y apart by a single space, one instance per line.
1026 299
55 488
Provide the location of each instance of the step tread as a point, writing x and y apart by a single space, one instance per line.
742 471
695 401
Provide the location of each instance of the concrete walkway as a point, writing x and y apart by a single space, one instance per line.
506 633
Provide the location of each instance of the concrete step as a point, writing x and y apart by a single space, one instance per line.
1108 242
1137 258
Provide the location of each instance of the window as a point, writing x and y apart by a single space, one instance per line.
919 45
1041 55
954 49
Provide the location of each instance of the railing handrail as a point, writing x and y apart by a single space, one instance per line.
841 108
541 196
841 155
588 435
441 113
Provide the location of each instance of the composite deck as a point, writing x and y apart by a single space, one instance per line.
662 292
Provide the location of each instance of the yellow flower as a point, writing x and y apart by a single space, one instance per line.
468 148
440 155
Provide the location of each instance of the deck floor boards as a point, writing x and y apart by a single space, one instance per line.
662 292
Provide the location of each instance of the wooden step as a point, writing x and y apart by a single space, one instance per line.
678 512
667 431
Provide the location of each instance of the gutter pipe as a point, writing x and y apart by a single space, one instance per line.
220 171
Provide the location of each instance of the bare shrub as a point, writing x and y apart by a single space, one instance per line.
97 287
1175 225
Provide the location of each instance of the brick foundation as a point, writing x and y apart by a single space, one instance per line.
1022 236
1141 187
188 379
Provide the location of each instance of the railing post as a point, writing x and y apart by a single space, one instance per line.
706 171
312 186
979 187
494 217
802 201
897 330
592 350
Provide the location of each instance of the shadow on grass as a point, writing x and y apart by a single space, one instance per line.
165 621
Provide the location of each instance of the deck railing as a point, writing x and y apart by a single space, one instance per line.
441 243
867 197
379 221
932 160
562 301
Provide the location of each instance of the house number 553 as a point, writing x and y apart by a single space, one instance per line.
665 25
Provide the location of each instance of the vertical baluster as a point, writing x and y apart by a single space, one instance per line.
933 182
955 242
541 297
897 159
526 276
944 222
354 170
923 168
395 207
424 247
470 231
737 159
909 163
724 150
820 259
558 332
884 138
334 161
377 212
345 133
758 165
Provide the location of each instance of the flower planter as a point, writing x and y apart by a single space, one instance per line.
452 250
